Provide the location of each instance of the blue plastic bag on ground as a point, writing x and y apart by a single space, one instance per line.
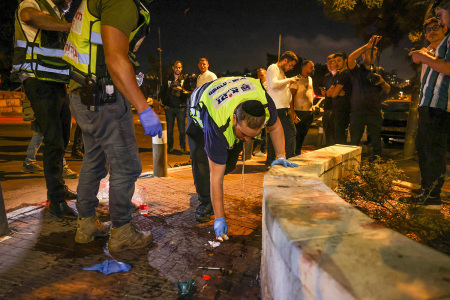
109 266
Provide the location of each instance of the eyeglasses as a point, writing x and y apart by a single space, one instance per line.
434 28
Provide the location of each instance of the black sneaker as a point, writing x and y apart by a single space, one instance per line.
184 151
62 210
170 150
422 199
69 194
32 168
204 212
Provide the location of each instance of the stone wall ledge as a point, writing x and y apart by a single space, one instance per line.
317 246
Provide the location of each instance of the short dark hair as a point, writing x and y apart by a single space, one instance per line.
177 62
429 21
252 112
340 54
304 63
290 56
202 58
260 70
444 4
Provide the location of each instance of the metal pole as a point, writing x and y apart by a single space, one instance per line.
160 153
4 229
279 47
160 61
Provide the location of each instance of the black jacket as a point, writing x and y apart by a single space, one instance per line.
173 98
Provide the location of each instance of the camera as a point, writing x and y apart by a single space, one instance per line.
374 78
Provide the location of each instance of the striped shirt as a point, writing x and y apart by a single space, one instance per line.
435 86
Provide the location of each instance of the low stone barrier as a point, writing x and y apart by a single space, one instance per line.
10 102
317 246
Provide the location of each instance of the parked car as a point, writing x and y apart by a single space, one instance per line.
395 118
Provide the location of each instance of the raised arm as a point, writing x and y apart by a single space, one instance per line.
351 62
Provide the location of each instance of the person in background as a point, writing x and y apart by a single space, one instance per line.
340 92
327 118
205 74
434 109
173 97
368 91
261 139
278 90
38 43
303 93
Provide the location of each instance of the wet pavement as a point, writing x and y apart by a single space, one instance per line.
41 260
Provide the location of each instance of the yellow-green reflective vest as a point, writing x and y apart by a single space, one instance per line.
43 55
84 47
222 97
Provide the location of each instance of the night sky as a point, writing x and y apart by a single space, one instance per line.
235 35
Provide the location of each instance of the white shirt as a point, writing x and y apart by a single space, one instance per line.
278 86
205 77
30 31
303 99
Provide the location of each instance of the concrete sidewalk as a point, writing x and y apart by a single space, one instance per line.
41 260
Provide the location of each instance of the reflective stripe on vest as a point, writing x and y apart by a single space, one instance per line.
222 97
85 36
33 57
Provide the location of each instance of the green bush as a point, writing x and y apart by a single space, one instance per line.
372 189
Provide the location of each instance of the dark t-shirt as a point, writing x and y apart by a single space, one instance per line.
329 80
343 102
366 97
216 145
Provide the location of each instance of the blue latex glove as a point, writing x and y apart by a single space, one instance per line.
284 162
109 266
220 226
150 122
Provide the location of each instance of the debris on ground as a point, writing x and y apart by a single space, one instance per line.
109 266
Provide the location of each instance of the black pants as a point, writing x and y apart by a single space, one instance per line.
289 136
306 119
341 120
328 126
200 164
180 115
51 109
431 144
358 122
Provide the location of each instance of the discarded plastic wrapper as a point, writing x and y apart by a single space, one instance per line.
222 238
186 288
214 244
139 196
109 266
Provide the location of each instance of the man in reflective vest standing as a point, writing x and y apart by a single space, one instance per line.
38 64
222 114
102 37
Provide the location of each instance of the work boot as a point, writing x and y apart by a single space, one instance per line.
68 173
69 194
128 237
62 210
32 168
90 228
204 212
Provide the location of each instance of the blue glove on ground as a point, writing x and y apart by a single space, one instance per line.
150 122
220 226
284 162
109 266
